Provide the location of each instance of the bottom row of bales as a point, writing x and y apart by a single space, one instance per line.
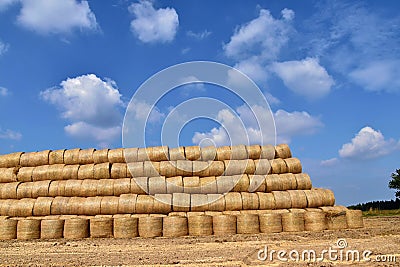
180 224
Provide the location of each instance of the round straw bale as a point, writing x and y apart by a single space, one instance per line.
100 156
200 225
40 173
293 222
241 183
201 168
105 187
71 156
59 205
55 172
51 228
6 205
293 165
168 168
208 185
282 200
150 226
266 201
288 181
58 188
37 158
76 206
151 169
126 227
101 227
233 201
216 168
298 198
181 202
224 153
314 199
76 228
88 188
131 154
70 172
216 202
239 152
28 229
184 168
336 217
191 185
224 224
208 153
86 172
273 183
174 184
192 153
139 185
198 202
119 170
136 169
144 204
328 198
73 188
25 174
354 219
116 155
250 201
267 152
92 205
10 160
177 153
122 186
234 167
126 203
12 208
109 205
8 175
278 166
257 183
10 191
86 156
315 221
24 190
102 171
42 206
56 157
143 154
270 223
162 203
224 184
8 229
174 226
263 166
40 189
282 151
303 181
253 151
248 224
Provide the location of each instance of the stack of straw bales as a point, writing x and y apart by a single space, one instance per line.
161 191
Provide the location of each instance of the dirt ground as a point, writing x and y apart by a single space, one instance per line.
381 236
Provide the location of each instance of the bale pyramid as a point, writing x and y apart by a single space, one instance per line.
161 191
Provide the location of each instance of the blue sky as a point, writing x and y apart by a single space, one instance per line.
329 69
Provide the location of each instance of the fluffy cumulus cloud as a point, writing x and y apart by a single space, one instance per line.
92 105
306 77
368 144
10 135
153 25
61 16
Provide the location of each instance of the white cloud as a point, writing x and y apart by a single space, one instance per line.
329 162
4 91
378 76
61 16
3 48
254 69
90 132
145 112
198 35
306 77
91 104
153 25
9 134
368 144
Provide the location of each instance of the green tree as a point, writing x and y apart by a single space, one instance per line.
395 182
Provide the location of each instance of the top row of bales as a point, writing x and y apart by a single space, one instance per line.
156 154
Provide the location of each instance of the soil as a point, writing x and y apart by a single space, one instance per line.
381 235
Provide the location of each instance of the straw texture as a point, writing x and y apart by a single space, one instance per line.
162 203
192 153
10 160
109 205
293 165
125 227
51 228
150 226
71 156
239 152
25 174
127 203
248 224
174 184
315 221
224 224
10 191
181 202
354 219
233 201
266 201
8 229
270 223
293 222
177 153
100 156
144 204
76 228
101 227
253 151
86 156
157 185
216 202
267 152
250 201
200 225
28 229
8 175
174 226
208 153
278 166
282 200
282 151
116 155
42 206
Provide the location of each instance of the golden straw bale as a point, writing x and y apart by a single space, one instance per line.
267 152
250 201
293 165
266 201
278 166
160 153
181 202
191 185
234 167
40 173
76 206
22 208
208 153
263 166
102 171
224 225
224 153
10 191
314 199
131 154
70 172
150 226
88 188
177 153
8 175
201 168
354 219
336 217
109 205
233 201
208 185
42 206
298 198
34 159
51 228
10 160
270 223
162 203
174 226
100 156
24 190
76 228
184 168
315 221
105 187
195 213
293 222
200 225
8 229
224 184
273 183
178 213
253 151
282 200
101 227
59 205
168 168
136 169
126 227
239 152
55 172
127 203
86 156
144 204
56 157
92 205
282 151
288 181
174 184
192 153
73 188
151 169
248 224
25 174
257 183
40 189
122 186
71 156
116 155
140 185
328 198
5 205
143 154
119 170
198 202
28 229
303 181
216 168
